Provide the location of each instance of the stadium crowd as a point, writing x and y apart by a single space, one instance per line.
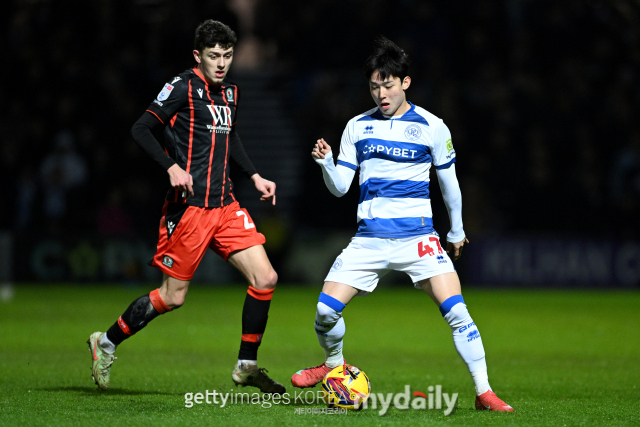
540 98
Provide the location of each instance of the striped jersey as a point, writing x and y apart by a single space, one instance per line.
199 128
394 155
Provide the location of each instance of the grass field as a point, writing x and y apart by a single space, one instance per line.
558 357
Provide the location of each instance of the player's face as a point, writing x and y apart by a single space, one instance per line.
389 95
214 63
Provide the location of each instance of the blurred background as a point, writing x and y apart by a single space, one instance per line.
540 98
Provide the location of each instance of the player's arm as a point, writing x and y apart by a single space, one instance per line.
444 158
337 179
240 157
143 136
453 201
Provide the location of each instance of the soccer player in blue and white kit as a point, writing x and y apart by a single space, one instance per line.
394 146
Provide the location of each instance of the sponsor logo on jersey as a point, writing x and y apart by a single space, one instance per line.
165 92
175 79
158 102
368 130
200 92
412 132
449 145
166 260
230 95
221 118
337 265
390 151
473 335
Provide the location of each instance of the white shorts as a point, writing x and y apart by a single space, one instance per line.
367 259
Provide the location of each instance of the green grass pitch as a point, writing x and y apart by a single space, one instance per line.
558 357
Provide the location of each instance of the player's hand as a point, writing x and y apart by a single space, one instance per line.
321 149
180 180
266 187
455 249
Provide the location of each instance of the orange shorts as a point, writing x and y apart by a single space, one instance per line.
187 231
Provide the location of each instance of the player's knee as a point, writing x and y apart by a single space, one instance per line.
266 281
455 312
326 314
175 299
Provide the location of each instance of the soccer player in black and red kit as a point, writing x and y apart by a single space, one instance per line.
198 110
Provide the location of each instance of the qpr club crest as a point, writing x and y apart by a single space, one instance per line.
412 132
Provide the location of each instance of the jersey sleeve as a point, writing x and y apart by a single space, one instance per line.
443 153
171 98
348 153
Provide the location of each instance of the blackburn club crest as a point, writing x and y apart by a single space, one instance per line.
229 95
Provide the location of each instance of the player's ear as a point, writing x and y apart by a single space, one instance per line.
406 82
196 55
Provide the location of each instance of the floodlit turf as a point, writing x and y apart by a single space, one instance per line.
559 358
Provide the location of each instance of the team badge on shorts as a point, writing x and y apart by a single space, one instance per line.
337 265
413 132
166 260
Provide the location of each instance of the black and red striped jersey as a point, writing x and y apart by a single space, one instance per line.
199 130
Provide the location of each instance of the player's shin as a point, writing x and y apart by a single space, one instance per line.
254 322
467 341
330 329
136 316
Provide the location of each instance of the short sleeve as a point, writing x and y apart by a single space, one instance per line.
443 153
171 98
348 153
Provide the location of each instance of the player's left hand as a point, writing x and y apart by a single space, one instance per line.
266 187
455 249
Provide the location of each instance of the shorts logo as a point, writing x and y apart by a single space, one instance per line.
337 265
412 132
165 92
441 259
230 95
473 335
166 260
170 226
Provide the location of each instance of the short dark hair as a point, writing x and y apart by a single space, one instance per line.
211 33
388 60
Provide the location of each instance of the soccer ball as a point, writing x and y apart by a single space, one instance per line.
346 387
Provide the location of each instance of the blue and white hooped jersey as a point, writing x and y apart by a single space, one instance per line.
394 156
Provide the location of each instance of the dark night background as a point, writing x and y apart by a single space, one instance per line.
541 99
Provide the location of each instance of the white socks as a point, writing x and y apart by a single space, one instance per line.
106 345
466 338
330 329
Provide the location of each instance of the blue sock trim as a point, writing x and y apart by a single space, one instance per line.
448 304
331 302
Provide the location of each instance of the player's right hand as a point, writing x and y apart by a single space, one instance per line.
321 149
180 179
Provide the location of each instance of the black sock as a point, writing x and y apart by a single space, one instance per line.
254 321
136 316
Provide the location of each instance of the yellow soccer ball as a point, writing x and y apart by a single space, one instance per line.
347 387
